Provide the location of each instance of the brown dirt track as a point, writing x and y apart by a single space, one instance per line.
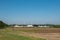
39 30
46 33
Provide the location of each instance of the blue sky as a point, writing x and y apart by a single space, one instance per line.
30 11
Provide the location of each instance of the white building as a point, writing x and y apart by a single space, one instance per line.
18 26
43 26
40 26
23 26
29 25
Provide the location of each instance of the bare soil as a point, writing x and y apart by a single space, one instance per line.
48 36
46 33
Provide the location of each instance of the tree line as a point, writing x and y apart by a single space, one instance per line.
4 25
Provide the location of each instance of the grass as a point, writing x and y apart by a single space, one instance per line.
9 35
39 30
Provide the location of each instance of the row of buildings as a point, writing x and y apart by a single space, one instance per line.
30 26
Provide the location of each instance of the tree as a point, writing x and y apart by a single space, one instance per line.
35 25
2 24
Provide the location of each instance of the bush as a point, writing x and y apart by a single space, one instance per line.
2 24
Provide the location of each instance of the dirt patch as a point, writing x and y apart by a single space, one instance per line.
39 30
46 33
48 36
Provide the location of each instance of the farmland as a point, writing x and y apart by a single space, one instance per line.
30 34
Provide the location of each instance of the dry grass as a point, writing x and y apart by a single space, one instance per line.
10 34
46 33
39 30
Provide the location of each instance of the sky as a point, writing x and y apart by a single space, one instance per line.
30 11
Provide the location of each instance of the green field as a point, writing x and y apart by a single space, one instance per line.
8 34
